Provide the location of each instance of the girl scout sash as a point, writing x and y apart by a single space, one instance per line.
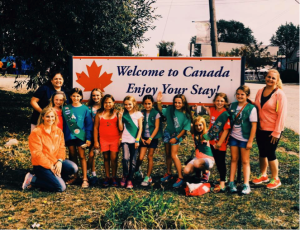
217 127
130 126
71 122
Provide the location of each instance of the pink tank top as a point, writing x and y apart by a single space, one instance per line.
108 128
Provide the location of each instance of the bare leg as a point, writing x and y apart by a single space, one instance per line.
91 159
263 163
174 152
83 162
150 161
245 155
106 156
234 160
274 168
139 161
114 163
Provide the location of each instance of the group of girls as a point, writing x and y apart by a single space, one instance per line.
101 127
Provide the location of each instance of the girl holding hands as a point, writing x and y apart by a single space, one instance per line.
178 122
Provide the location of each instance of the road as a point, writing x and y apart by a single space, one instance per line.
291 91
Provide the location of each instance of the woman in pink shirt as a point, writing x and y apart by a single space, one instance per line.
272 109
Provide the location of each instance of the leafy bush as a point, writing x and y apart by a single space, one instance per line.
151 212
289 76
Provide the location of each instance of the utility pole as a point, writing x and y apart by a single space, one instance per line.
213 23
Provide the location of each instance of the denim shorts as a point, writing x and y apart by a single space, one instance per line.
234 142
168 137
152 145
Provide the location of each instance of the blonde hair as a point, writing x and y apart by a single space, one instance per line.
132 99
51 104
279 81
198 135
44 112
91 101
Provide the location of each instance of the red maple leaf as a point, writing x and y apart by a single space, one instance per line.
93 80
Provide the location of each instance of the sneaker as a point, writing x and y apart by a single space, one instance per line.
106 182
114 182
27 180
123 181
205 177
218 189
260 179
138 174
274 183
166 177
232 187
178 183
147 181
246 189
129 184
93 180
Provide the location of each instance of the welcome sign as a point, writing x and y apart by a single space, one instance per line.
199 79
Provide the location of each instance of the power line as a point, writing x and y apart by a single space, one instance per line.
297 1
166 21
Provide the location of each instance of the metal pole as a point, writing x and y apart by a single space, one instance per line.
213 22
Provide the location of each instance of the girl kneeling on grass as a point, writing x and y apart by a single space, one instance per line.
78 127
151 132
244 119
106 137
131 123
204 159
178 122
48 153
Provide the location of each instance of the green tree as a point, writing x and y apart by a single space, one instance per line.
167 49
287 38
234 32
47 32
197 47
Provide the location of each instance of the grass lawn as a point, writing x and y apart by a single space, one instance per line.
154 207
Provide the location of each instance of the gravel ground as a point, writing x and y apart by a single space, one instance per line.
291 91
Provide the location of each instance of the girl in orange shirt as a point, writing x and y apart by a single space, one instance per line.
106 137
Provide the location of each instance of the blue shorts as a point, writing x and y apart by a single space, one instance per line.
168 137
153 143
74 142
234 142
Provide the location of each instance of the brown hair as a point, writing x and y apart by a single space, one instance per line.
279 81
107 96
199 136
76 90
132 99
185 106
44 112
91 101
224 96
246 90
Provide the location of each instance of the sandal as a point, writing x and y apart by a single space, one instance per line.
85 183
218 189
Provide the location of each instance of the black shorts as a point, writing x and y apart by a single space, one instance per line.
266 148
74 142
153 143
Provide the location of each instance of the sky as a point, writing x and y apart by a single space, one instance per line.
263 17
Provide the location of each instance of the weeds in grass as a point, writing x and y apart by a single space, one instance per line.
153 211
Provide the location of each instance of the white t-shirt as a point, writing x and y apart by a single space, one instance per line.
126 136
237 127
147 131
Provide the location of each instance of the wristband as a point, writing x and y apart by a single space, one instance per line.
137 139
60 160
150 138
137 142
158 102
120 139
177 139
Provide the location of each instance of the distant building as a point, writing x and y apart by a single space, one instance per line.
293 61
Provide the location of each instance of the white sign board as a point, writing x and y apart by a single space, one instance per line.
199 79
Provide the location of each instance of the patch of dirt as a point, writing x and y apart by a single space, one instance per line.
293 153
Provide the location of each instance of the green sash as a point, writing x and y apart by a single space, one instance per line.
71 122
151 123
130 126
217 127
